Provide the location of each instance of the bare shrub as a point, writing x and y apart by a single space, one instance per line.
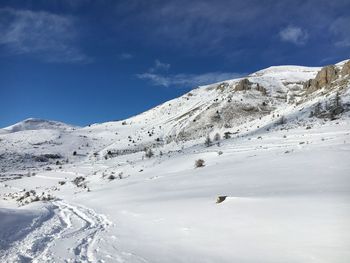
149 153
79 181
227 135
217 137
207 141
199 163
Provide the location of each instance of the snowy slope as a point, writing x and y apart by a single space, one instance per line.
70 194
167 213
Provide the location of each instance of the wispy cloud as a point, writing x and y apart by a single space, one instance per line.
293 34
207 28
187 80
47 36
126 56
159 66
197 23
158 75
340 28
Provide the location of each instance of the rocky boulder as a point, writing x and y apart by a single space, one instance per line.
243 84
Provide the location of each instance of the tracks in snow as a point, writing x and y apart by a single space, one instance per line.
83 229
64 233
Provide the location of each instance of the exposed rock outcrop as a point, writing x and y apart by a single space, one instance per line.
261 89
323 78
326 76
245 84
222 86
346 69
220 199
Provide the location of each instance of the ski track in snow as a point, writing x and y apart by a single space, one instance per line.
62 224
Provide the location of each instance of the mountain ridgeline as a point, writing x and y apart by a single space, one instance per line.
280 97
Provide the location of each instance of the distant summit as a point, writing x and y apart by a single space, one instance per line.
36 124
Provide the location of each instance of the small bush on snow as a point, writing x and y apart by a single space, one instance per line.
207 141
111 177
79 181
199 163
217 137
149 153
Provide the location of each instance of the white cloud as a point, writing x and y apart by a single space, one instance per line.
293 34
187 80
159 66
158 75
48 36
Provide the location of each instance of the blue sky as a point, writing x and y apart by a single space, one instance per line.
85 61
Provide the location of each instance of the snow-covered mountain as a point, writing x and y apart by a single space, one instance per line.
37 124
128 191
234 107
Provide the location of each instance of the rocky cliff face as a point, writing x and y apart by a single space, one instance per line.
346 69
240 105
331 84
327 76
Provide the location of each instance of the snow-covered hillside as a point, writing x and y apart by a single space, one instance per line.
36 124
129 191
